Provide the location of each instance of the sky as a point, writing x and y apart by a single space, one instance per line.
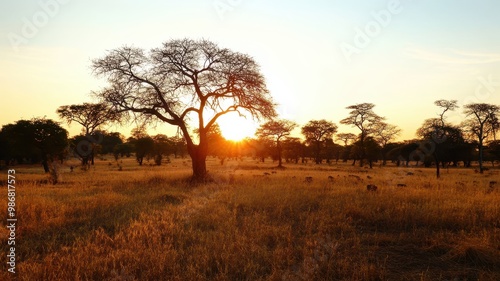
318 57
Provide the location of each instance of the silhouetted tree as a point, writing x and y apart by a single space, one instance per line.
494 149
144 147
330 150
362 117
261 147
92 116
436 131
316 131
346 138
36 139
162 147
179 146
479 124
384 133
185 80
293 149
109 141
277 130
373 150
123 150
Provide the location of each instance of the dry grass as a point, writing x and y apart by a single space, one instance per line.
257 223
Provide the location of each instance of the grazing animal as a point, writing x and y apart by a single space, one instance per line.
309 179
267 174
371 187
368 177
409 174
493 183
401 185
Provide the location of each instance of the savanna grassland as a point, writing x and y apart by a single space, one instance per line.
255 222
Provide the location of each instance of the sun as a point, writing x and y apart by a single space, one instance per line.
236 128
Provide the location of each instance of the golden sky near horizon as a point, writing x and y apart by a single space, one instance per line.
318 57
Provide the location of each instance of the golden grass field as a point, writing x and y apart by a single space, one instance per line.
150 223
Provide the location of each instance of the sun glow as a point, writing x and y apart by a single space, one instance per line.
236 128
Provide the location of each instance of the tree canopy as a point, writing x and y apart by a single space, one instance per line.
35 140
277 130
184 83
316 131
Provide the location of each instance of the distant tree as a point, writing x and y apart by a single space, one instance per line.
481 120
445 105
331 150
372 150
109 141
316 132
346 138
364 118
92 116
346 153
162 147
261 147
182 81
139 132
442 140
437 131
383 134
123 150
293 149
179 146
144 147
5 153
494 150
36 139
277 130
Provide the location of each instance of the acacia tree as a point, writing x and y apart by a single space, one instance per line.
481 121
384 133
92 116
277 130
316 131
184 80
362 117
346 138
437 131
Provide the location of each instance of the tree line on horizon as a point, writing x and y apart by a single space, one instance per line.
44 140
195 80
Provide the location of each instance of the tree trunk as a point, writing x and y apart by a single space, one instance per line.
363 152
318 149
481 154
199 165
45 165
437 165
278 145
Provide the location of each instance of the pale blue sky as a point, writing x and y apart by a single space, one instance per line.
428 50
